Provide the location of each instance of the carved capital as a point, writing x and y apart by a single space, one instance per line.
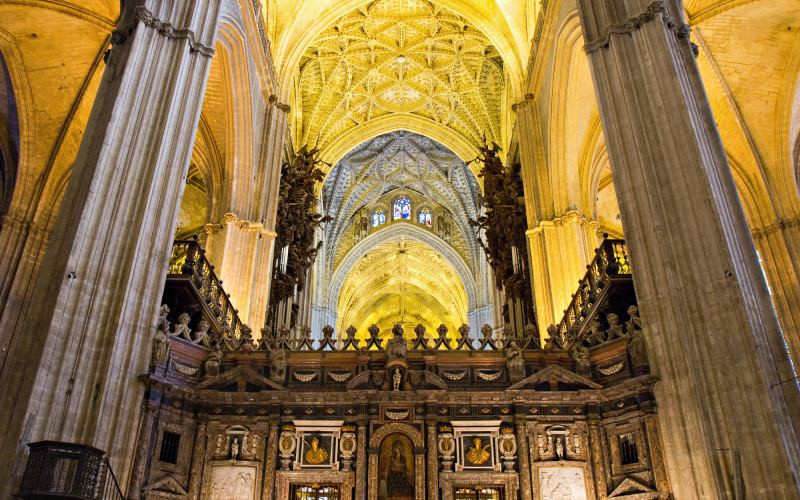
147 18
656 9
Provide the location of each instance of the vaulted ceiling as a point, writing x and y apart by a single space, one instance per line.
400 160
409 60
402 281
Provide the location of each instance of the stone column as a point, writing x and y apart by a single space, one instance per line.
779 246
712 335
433 461
560 250
240 246
143 449
198 457
96 299
270 462
523 459
595 455
361 462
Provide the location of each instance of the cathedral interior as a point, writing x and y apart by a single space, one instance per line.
400 249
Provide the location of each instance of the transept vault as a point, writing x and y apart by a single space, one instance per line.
400 249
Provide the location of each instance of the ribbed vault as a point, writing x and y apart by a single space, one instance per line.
402 281
392 57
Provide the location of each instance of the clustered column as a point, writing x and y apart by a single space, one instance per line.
712 335
95 302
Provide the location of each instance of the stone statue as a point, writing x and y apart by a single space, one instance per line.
234 449
597 335
252 444
212 363
542 445
577 445
552 337
634 322
636 347
221 446
161 343
583 365
515 362
201 334
277 365
397 348
615 329
397 377
559 447
162 317
182 328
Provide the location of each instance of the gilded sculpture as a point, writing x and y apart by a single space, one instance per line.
316 454
477 453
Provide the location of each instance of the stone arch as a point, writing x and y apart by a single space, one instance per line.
419 457
411 231
9 137
402 121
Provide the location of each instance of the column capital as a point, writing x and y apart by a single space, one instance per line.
598 35
144 15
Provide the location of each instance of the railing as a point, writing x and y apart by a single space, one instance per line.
68 471
610 263
189 260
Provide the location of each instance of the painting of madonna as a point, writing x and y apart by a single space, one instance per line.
396 469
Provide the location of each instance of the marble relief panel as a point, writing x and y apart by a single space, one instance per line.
235 481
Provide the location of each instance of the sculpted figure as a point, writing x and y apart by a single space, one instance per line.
234 449
212 363
636 347
634 322
542 445
397 347
182 328
220 447
277 365
161 343
597 335
162 317
316 454
201 334
397 377
515 362
576 444
477 454
615 329
559 447
583 366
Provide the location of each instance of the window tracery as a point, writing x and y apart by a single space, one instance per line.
424 217
402 208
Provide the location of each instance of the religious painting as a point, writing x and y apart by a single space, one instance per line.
233 482
316 450
562 483
478 451
396 468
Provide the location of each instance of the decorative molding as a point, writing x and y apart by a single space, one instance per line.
559 221
143 14
634 23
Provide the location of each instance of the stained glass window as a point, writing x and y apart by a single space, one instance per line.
402 208
378 218
424 217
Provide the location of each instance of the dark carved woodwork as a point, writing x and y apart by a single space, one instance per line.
503 226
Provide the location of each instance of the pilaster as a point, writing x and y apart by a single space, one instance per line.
779 247
433 460
712 335
270 461
523 458
560 250
95 302
198 457
361 462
